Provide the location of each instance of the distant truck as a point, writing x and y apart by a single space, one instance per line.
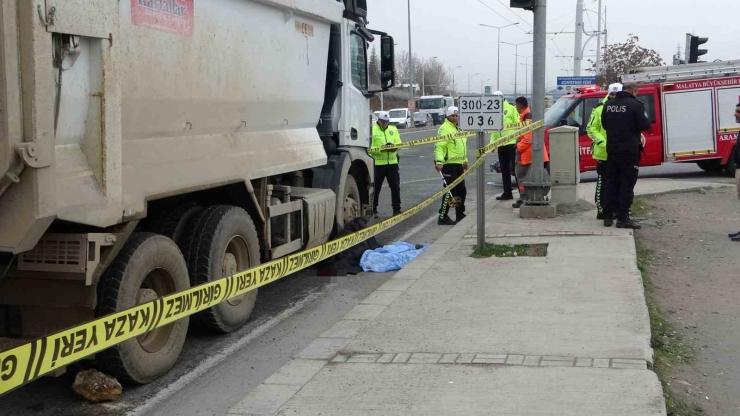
146 147
435 105
691 108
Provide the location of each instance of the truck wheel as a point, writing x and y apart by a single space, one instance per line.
222 241
730 168
149 266
172 224
352 203
713 165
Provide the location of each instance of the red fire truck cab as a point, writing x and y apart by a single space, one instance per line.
691 108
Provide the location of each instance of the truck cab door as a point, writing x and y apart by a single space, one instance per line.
355 120
649 96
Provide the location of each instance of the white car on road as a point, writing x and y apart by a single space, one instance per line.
401 118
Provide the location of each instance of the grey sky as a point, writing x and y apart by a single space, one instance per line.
449 30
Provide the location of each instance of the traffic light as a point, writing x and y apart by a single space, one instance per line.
692 48
523 4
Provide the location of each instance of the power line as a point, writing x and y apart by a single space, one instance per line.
517 16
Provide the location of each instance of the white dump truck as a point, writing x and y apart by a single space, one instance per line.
148 146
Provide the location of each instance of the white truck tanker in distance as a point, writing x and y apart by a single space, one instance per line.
147 147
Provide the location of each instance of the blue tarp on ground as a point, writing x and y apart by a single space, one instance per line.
389 258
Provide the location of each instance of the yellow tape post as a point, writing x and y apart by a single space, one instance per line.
27 362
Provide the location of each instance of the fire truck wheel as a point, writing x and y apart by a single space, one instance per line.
713 165
221 241
172 224
730 168
149 266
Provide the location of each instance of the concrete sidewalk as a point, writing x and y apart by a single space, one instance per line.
565 334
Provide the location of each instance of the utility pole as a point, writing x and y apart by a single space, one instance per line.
578 54
537 182
598 44
526 73
498 52
411 68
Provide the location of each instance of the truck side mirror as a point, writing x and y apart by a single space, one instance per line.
387 62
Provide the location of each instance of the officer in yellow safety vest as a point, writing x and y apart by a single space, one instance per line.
597 134
507 152
386 162
451 160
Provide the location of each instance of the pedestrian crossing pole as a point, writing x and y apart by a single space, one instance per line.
481 202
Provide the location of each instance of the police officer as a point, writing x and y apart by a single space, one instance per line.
624 120
507 152
736 161
386 162
451 159
598 136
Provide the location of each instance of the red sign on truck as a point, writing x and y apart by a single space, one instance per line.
170 16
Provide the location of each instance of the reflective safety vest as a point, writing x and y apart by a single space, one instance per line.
511 116
524 147
450 152
382 138
597 133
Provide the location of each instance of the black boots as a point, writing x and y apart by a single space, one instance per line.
628 223
506 196
445 221
518 203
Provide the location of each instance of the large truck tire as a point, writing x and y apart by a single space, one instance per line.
712 165
352 206
730 168
148 266
173 224
222 241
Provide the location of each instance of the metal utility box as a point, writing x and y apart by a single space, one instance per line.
564 165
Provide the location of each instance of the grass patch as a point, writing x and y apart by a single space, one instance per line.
507 250
670 349
641 205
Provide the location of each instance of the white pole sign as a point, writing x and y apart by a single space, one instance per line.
481 113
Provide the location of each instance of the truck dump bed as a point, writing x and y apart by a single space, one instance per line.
157 99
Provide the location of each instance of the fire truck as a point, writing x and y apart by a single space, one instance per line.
691 108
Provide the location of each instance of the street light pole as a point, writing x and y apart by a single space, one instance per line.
498 52
516 61
411 68
452 72
526 74
469 78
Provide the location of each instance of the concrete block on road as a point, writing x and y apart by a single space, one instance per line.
532 360
515 360
402 358
489 359
601 363
363 358
537 211
584 362
296 372
448 358
424 358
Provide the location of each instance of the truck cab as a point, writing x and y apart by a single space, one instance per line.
435 105
575 111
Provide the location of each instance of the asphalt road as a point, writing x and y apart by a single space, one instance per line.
214 372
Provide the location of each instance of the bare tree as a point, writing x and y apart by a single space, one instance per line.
436 78
616 59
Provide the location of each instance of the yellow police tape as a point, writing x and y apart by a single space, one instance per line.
27 362
435 139
500 142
